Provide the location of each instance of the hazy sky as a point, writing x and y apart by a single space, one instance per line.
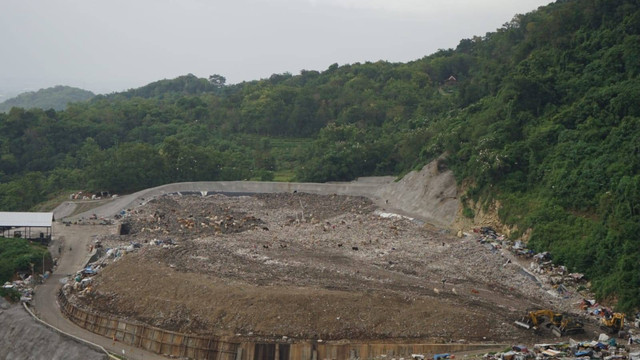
114 45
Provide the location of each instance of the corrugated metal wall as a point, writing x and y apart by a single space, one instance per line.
150 338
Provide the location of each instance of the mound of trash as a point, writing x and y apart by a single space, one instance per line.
310 266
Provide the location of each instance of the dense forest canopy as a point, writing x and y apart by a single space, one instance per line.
56 98
541 115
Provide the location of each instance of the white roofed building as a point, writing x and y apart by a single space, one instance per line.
29 225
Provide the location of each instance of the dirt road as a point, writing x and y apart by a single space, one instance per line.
74 241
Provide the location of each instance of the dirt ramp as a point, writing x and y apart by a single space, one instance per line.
65 209
430 194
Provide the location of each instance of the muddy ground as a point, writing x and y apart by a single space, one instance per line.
310 267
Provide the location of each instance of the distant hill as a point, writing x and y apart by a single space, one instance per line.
181 86
51 98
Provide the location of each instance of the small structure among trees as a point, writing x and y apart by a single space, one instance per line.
451 80
36 226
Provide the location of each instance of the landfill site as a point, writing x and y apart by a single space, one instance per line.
283 264
303 266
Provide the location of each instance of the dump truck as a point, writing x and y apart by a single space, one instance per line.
612 324
559 324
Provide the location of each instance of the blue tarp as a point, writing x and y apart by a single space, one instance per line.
583 353
89 271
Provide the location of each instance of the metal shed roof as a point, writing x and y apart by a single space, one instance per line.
34 219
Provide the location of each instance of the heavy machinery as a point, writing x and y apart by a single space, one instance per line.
612 324
558 323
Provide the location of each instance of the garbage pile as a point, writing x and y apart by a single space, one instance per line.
165 216
604 348
24 286
81 282
305 265
559 281
89 196
596 310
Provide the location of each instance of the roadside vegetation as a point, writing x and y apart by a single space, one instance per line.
19 255
541 115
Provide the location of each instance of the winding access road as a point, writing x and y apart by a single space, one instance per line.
74 242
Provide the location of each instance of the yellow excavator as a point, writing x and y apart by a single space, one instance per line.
612 324
558 323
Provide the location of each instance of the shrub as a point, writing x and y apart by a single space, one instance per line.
12 295
468 213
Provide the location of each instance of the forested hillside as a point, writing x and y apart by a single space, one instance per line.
55 98
541 115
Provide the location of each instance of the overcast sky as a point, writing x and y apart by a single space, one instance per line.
114 45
